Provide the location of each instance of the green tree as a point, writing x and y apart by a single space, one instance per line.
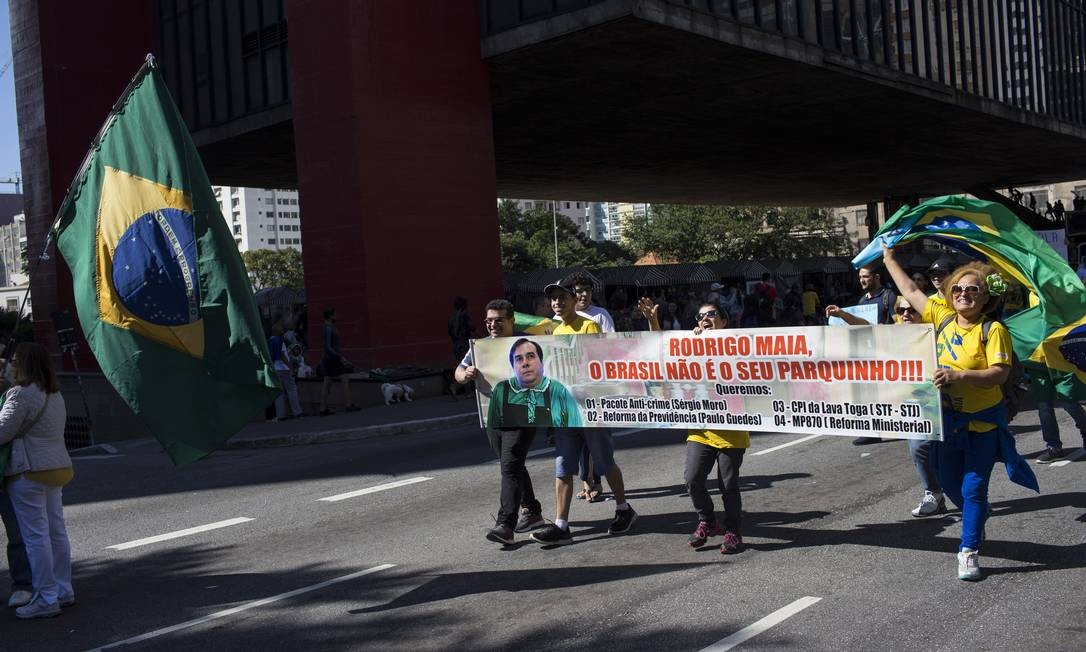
269 269
527 241
703 233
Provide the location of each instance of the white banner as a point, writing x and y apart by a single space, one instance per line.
849 381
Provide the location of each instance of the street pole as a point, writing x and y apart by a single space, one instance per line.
554 217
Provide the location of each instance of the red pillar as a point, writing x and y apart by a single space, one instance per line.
395 156
72 60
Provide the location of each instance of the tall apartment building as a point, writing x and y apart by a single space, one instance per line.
576 211
260 218
613 216
13 251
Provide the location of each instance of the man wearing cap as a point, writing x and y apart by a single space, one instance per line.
714 293
569 441
939 270
582 289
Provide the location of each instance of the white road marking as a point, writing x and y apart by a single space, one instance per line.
373 490
240 608
1070 458
178 534
791 443
750 631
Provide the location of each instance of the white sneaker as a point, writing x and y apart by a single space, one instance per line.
932 503
969 565
19 598
38 608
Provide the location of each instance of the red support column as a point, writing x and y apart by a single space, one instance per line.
72 60
396 172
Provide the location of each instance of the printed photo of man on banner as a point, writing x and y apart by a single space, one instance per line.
850 381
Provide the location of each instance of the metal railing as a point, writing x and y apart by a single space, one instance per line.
1027 53
1030 54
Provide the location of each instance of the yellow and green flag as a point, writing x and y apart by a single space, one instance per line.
162 295
1048 336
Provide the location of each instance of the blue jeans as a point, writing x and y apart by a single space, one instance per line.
920 451
1050 430
18 565
964 469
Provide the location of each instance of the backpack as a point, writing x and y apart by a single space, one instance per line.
1014 388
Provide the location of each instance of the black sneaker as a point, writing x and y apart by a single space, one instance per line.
529 521
624 520
552 535
864 441
500 533
1051 454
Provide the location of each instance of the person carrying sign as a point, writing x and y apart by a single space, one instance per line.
971 370
568 442
707 448
510 444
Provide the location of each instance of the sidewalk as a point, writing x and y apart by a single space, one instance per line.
417 416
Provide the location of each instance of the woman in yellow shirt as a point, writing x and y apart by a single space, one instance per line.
971 369
707 448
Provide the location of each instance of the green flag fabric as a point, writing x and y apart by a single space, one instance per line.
1048 337
162 295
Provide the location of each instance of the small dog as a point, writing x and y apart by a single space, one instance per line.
396 392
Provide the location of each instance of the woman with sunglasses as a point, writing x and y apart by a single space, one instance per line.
706 448
969 375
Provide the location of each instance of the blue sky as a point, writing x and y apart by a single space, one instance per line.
9 130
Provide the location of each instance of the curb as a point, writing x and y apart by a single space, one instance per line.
353 434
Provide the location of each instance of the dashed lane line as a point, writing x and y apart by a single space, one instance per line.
750 631
179 533
373 490
243 607
791 443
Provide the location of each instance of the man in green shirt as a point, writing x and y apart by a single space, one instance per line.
530 399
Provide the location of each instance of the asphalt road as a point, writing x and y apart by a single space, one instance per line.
835 561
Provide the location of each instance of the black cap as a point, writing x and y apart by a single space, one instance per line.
557 285
943 265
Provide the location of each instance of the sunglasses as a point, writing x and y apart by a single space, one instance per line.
581 289
971 290
901 310
708 313
490 320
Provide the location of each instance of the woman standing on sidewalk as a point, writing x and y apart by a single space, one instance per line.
33 419
334 366
974 359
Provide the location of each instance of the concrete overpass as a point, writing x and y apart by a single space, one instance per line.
400 122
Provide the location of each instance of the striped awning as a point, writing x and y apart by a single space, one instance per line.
750 270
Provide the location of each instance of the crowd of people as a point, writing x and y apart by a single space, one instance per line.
974 355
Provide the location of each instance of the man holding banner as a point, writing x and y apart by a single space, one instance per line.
568 442
509 444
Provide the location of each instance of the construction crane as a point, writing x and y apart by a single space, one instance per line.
17 182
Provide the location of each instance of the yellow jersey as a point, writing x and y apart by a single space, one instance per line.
720 438
580 326
960 348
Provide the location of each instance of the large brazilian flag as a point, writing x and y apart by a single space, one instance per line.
162 295
1049 336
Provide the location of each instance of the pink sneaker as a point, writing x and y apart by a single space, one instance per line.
704 530
732 544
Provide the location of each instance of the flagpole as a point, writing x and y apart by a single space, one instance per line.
148 62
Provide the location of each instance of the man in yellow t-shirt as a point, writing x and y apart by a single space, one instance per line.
810 305
937 273
568 442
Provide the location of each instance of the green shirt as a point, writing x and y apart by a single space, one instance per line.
563 408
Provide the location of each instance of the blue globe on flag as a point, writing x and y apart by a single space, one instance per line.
154 268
